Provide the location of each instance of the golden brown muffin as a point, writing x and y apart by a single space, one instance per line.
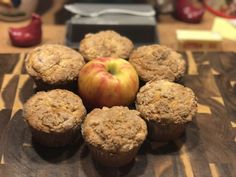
105 44
114 135
54 116
156 62
54 66
167 107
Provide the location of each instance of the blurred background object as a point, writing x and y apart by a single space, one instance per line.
62 15
198 40
54 17
223 8
16 10
28 35
190 11
225 28
131 20
162 6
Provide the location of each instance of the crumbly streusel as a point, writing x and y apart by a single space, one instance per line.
105 44
54 111
156 62
115 129
166 102
54 63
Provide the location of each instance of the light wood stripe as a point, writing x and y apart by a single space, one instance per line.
26 145
19 65
17 105
219 100
2 160
192 68
184 157
233 124
232 83
214 72
206 63
214 170
6 79
203 109
2 104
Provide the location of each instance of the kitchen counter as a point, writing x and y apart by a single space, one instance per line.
167 26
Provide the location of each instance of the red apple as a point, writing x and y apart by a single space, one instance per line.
108 82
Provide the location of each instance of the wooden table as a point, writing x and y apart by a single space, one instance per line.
208 149
166 28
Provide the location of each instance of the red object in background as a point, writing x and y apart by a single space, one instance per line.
187 12
29 35
218 12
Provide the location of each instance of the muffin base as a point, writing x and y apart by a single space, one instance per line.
159 132
111 159
54 139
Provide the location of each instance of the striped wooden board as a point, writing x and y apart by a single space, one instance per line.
208 149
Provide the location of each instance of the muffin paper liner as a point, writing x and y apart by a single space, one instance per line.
112 159
159 132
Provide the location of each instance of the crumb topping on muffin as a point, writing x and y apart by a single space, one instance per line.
54 111
115 129
54 63
157 62
166 102
105 44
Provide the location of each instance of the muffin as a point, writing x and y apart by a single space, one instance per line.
114 135
54 66
105 44
54 117
167 108
156 62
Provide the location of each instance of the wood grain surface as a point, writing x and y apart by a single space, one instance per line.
208 148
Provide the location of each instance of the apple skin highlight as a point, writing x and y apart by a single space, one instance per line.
108 82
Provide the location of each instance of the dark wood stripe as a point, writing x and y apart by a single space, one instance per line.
201 58
225 169
26 91
196 150
5 115
4 118
1 80
9 92
228 94
214 136
2 166
200 83
23 71
223 62
7 63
